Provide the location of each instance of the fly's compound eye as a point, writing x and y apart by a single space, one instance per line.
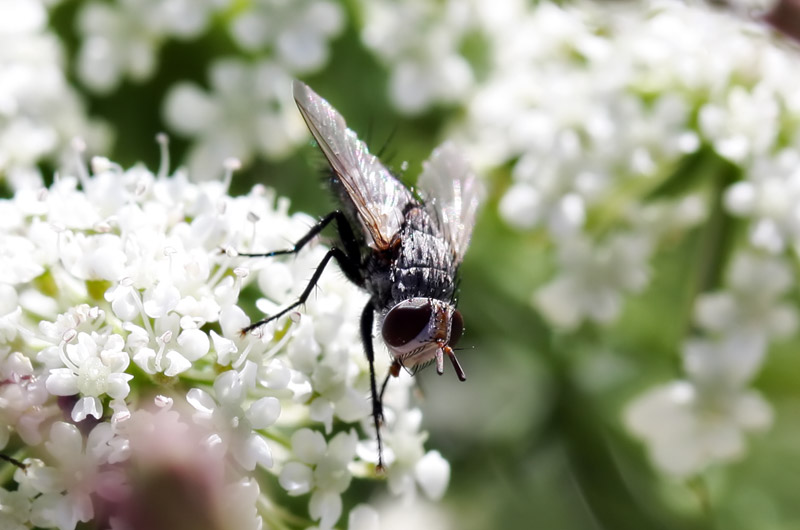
404 323
456 328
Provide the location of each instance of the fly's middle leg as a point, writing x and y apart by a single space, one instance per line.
367 320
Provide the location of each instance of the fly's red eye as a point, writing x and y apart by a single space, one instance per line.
456 328
404 322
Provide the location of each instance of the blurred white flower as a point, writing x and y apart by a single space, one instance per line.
250 111
419 41
745 125
752 302
410 465
395 515
296 31
77 474
94 365
123 38
40 113
16 510
771 197
686 432
363 517
691 424
232 422
593 279
322 469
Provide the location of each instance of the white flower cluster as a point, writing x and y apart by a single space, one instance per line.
39 112
419 42
297 31
700 420
123 38
246 111
122 363
597 109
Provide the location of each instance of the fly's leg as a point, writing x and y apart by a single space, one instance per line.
367 319
345 234
348 266
13 461
348 260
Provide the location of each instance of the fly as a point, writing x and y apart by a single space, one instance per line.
404 250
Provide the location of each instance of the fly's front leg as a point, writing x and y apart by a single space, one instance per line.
367 320
348 266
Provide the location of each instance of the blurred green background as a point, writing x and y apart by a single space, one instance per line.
534 436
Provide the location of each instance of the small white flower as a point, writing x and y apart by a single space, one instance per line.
66 488
122 39
240 502
15 512
363 517
691 424
235 421
594 279
297 31
250 111
751 304
322 468
40 113
432 473
746 126
687 431
409 464
419 42
771 197
94 366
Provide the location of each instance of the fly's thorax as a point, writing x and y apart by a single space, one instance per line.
416 328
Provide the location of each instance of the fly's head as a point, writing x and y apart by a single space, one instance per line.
419 330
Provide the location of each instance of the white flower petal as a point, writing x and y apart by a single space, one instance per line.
201 401
264 412
253 451
363 517
433 474
62 382
85 407
296 478
308 446
326 507
194 344
175 363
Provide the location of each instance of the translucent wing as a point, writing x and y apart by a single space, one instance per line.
378 197
452 194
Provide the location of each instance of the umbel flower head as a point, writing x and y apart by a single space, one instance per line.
127 389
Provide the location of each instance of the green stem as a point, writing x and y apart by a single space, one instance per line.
716 238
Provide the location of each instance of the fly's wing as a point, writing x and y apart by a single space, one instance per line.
378 197
452 194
